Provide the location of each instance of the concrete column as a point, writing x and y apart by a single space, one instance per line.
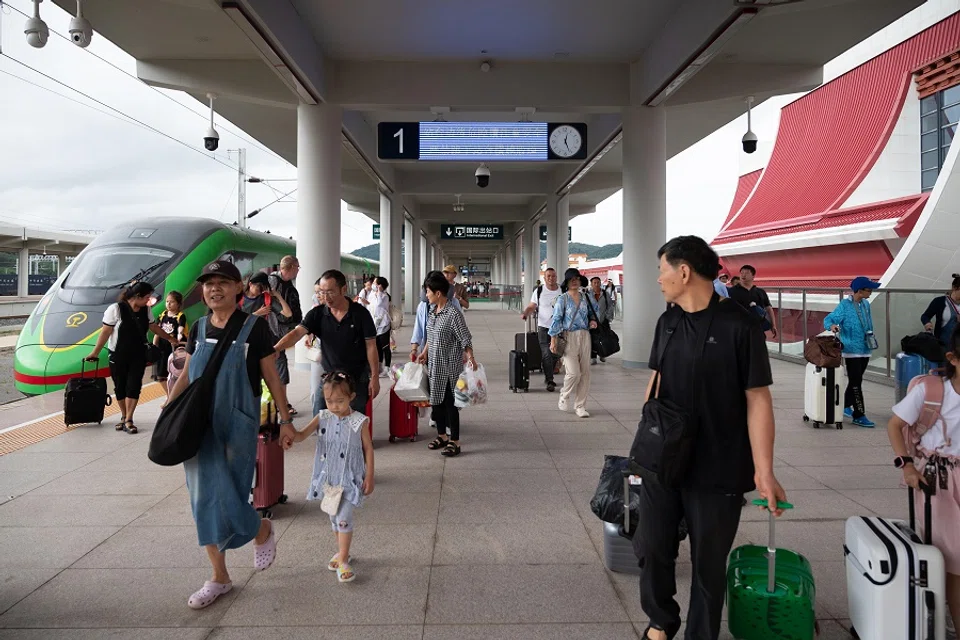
518 259
391 242
23 273
318 198
644 228
563 245
424 258
412 264
531 258
550 220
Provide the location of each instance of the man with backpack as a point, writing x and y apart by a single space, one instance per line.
542 303
281 281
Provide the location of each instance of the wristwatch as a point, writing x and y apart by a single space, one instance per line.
901 461
288 421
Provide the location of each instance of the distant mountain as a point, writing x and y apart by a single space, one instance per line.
372 251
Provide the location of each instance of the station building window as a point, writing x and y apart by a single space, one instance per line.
939 114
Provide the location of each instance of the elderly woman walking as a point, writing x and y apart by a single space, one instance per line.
219 477
449 345
573 317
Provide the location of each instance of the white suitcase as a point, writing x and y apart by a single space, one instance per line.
823 389
896 584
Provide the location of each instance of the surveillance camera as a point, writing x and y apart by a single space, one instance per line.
36 31
749 142
211 141
483 176
81 31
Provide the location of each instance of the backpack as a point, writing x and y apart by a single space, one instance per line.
929 414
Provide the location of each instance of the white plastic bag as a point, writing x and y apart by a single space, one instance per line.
314 354
476 380
413 385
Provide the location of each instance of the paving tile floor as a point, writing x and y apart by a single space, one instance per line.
498 543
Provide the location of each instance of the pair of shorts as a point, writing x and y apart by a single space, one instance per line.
127 374
343 521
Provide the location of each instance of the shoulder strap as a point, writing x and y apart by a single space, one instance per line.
932 404
267 299
539 291
232 330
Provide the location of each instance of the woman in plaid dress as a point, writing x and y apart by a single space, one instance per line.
449 345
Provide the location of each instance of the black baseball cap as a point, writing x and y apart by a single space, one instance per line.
220 268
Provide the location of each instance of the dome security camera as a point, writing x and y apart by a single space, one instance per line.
749 142
81 31
211 141
482 175
36 29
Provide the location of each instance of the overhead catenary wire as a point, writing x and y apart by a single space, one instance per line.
114 109
260 209
237 133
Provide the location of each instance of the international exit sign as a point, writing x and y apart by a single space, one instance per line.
543 233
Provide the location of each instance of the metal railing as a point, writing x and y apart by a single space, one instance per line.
800 313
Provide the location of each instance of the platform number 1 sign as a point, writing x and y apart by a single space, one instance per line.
398 140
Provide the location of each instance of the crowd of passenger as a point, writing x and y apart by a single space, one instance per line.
709 350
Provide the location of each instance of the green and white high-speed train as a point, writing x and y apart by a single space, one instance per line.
167 252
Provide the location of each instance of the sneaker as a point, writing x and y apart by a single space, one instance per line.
593 361
551 386
562 405
603 359
848 412
864 421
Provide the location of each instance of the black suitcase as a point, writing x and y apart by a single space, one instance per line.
529 343
85 399
519 376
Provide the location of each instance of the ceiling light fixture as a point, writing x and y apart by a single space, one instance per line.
526 113
440 113
458 206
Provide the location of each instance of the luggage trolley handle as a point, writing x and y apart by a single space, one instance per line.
627 474
927 512
771 544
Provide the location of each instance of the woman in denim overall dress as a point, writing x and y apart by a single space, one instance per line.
219 477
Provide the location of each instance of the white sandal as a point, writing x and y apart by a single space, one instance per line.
334 563
345 569
208 594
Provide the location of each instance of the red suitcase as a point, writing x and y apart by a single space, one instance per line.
369 413
268 477
404 419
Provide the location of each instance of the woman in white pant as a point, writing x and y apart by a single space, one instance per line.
573 318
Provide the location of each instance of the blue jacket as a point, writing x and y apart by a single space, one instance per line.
853 334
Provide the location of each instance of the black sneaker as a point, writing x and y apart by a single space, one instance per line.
551 387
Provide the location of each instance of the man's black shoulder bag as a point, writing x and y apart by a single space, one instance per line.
183 423
664 442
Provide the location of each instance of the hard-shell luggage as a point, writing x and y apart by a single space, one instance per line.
519 374
268 478
175 363
909 366
823 389
404 419
896 583
85 399
618 553
529 343
770 591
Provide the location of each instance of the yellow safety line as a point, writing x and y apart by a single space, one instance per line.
43 429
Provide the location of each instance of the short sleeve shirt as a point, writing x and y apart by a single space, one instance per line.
545 305
734 360
259 345
754 294
126 338
909 409
175 325
345 342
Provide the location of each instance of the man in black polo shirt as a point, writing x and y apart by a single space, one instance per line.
733 451
348 335
754 299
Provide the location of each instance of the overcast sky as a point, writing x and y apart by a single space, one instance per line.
67 166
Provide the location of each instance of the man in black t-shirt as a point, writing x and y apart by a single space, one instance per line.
348 335
733 451
281 281
259 346
754 299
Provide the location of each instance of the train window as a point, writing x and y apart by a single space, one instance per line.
107 267
243 260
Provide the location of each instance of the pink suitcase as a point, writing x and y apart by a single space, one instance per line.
268 478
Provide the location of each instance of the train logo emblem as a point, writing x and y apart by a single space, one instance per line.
76 320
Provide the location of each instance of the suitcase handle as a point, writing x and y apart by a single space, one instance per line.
927 509
771 547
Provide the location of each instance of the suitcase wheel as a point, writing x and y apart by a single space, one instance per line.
806 418
816 425
413 438
265 513
282 499
839 426
392 438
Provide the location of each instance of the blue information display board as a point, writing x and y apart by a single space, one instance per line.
481 141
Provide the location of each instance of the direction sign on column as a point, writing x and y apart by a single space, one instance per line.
376 232
543 233
471 232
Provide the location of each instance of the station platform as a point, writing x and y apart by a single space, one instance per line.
498 543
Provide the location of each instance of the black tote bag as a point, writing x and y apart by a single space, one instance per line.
184 422
664 442
605 340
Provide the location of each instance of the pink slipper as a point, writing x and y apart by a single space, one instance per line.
208 594
264 554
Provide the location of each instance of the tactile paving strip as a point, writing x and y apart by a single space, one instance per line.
46 428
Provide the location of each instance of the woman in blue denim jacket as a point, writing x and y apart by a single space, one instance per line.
574 317
854 324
